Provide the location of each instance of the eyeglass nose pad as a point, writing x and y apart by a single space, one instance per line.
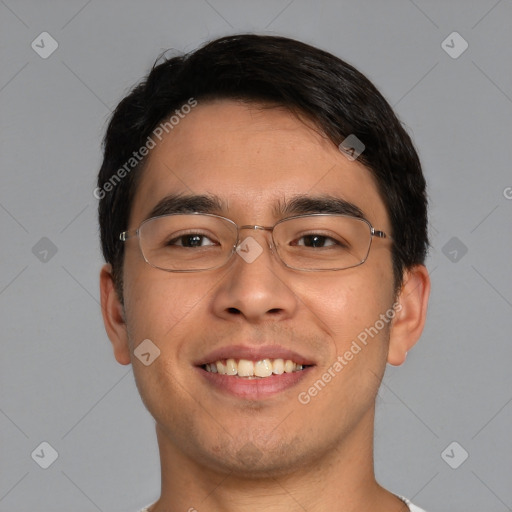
270 244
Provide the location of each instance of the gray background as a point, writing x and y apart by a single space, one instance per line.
59 380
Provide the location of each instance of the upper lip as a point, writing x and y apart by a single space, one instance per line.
253 353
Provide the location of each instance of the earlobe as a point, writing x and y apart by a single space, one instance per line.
113 316
411 314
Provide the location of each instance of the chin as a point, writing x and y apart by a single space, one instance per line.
258 460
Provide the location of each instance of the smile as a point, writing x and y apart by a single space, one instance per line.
246 368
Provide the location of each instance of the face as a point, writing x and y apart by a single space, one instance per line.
254 160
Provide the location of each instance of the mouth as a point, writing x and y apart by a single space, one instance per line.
248 369
253 373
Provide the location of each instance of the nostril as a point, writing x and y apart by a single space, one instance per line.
234 310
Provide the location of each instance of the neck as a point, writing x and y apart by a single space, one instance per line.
340 479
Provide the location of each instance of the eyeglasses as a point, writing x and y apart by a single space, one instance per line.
196 242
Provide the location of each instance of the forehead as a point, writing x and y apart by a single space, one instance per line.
252 158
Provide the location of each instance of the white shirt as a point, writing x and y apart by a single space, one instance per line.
412 508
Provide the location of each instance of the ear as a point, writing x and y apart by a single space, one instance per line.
411 313
113 316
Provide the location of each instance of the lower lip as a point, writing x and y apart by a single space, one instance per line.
254 389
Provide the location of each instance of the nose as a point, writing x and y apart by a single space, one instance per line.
257 286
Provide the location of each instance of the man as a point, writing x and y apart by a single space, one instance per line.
264 221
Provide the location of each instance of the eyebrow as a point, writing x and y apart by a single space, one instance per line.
297 205
303 204
176 203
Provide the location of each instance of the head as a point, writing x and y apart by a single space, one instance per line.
315 85
258 122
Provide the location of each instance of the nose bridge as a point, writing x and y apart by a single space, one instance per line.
254 228
252 288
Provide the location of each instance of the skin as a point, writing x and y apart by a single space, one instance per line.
218 452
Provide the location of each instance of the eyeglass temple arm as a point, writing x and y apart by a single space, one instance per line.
127 234
379 234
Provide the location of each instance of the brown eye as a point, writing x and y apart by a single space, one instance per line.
191 241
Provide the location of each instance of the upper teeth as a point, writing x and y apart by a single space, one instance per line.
247 368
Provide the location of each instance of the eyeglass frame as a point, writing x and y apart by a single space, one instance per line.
135 233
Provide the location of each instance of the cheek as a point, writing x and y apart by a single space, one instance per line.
166 308
348 302
157 302
163 312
